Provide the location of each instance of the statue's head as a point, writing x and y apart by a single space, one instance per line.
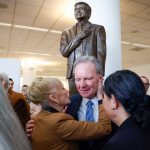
82 10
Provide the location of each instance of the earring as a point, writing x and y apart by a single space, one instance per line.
113 108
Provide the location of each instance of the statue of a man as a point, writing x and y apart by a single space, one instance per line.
83 39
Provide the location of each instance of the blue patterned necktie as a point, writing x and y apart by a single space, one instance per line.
89 111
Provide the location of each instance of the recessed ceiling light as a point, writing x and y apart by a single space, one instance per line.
31 28
126 43
30 53
141 45
55 31
5 24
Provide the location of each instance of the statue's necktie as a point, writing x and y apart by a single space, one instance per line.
89 111
81 26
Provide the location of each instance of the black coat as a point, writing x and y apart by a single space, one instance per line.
129 137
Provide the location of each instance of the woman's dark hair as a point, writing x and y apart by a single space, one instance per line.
128 89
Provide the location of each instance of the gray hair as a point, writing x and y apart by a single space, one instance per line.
91 59
4 80
12 135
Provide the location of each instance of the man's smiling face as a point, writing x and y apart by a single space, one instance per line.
86 79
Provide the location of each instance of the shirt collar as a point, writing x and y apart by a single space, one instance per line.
86 23
49 109
94 100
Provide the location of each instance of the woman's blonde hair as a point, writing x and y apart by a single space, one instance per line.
41 88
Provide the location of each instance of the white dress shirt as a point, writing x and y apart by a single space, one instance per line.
83 107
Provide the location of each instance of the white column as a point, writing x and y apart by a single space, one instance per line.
107 13
29 72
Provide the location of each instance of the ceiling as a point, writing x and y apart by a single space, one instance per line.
42 47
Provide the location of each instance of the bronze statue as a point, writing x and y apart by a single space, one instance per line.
83 39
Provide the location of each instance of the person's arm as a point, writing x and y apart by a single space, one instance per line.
102 115
69 129
68 45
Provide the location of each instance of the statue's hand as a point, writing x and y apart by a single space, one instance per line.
83 34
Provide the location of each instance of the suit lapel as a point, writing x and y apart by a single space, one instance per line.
73 31
74 106
77 105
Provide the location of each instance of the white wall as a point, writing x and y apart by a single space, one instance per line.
62 79
12 68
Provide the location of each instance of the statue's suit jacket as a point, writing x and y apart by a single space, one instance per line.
72 110
59 131
92 45
129 137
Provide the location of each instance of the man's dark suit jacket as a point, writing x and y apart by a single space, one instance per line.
72 110
148 100
129 137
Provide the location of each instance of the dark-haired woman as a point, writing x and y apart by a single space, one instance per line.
126 104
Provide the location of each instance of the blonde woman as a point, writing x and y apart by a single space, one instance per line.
53 129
